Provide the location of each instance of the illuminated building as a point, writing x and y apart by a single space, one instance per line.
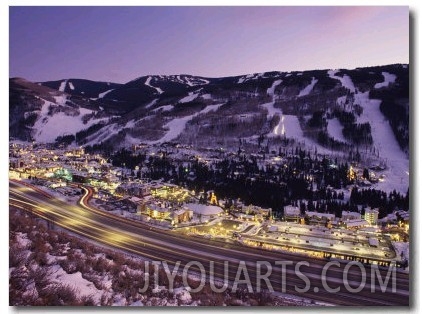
292 213
371 215
213 200
348 215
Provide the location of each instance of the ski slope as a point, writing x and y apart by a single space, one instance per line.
47 128
176 126
192 96
345 80
308 88
397 174
388 79
148 83
101 95
62 86
335 130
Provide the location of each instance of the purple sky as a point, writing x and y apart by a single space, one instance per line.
122 43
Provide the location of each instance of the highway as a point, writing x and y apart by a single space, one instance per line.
161 245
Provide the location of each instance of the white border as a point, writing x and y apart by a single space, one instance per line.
416 170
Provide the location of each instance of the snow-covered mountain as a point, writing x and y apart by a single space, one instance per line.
43 114
83 88
331 110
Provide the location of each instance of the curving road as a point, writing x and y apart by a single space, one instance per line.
299 272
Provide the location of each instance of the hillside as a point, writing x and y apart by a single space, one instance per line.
361 114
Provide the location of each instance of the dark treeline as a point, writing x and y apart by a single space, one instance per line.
395 103
358 133
386 202
302 180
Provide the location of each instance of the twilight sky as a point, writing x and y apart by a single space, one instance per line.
119 44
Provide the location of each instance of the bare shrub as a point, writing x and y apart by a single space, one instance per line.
106 300
17 257
87 300
58 294
100 264
18 280
68 266
40 276
95 279
39 257
264 298
207 297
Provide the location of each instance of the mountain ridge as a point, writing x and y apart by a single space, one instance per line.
156 100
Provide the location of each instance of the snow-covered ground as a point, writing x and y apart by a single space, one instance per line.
22 240
210 108
249 77
103 134
272 111
49 127
71 86
341 100
308 88
101 95
335 130
147 83
164 108
176 126
290 127
270 91
401 247
130 124
388 79
384 140
189 98
194 82
206 96
152 103
397 174
75 280
345 80
62 86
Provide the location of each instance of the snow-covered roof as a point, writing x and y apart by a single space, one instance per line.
135 199
320 215
179 212
273 228
204 209
356 223
371 211
350 214
373 241
291 210
158 208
